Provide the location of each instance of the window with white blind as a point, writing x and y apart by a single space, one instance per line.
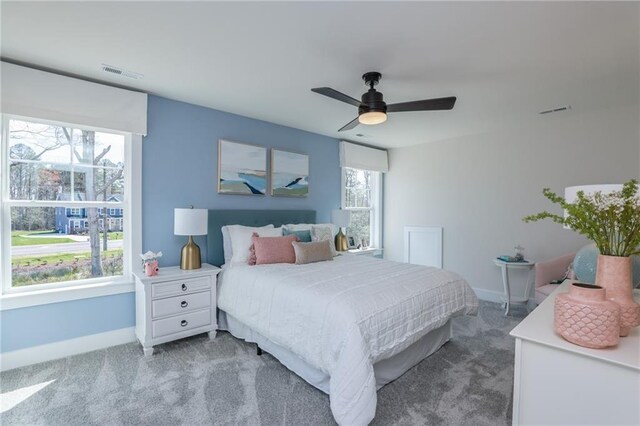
362 168
70 151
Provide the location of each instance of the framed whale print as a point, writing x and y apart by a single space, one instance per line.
242 168
289 174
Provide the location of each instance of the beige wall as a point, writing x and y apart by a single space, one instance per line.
479 187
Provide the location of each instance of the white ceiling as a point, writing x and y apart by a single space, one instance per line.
504 61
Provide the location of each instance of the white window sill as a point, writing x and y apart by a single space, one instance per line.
64 294
368 250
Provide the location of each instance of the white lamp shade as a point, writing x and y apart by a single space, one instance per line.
341 218
190 222
571 193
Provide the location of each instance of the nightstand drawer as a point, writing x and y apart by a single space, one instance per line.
177 304
180 323
172 288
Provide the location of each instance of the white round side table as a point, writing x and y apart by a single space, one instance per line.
505 266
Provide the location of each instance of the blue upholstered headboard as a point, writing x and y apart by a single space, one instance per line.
219 218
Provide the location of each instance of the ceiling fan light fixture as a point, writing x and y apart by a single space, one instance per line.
372 109
372 117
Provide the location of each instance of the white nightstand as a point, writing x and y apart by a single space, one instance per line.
504 267
174 304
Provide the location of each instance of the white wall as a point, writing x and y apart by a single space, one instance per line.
479 187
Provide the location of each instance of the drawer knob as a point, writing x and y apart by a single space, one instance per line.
184 304
184 287
184 323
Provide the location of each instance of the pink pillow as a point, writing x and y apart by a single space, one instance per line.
274 249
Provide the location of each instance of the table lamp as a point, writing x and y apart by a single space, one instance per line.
341 218
190 222
571 193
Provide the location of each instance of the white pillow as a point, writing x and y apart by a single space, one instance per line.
226 245
240 237
299 226
324 233
308 226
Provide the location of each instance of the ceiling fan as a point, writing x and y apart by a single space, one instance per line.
373 110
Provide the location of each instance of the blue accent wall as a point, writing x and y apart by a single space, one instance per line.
179 168
38 325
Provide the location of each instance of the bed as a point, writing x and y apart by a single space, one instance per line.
346 326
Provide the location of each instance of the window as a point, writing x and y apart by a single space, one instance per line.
58 180
362 195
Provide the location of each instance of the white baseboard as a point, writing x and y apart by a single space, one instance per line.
489 295
65 348
498 297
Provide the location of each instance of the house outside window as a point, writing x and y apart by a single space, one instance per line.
58 180
362 196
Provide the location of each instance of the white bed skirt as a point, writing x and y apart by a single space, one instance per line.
385 370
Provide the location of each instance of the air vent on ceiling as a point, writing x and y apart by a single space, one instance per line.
121 72
558 109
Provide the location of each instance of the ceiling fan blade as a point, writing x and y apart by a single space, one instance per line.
426 105
332 93
350 125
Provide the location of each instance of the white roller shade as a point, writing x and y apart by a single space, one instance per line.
38 94
363 157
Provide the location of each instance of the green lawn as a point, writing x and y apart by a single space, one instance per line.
29 270
52 259
18 238
113 235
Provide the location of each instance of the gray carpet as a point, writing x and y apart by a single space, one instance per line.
195 381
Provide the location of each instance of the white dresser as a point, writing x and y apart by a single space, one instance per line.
559 383
174 304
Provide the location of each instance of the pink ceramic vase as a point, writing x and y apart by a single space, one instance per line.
614 275
585 317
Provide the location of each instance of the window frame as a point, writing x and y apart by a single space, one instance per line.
375 208
89 287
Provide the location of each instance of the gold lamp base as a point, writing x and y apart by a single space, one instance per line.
190 255
341 241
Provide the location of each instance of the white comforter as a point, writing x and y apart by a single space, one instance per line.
343 316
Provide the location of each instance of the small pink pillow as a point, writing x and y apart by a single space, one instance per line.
274 249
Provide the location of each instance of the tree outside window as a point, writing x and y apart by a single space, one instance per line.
61 180
359 196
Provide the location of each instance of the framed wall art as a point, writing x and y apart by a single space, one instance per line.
242 168
289 174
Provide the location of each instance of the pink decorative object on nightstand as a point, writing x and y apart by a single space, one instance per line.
614 275
151 268
585 317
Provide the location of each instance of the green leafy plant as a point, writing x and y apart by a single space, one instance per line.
611 220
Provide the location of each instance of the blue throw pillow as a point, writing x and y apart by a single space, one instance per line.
303 236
